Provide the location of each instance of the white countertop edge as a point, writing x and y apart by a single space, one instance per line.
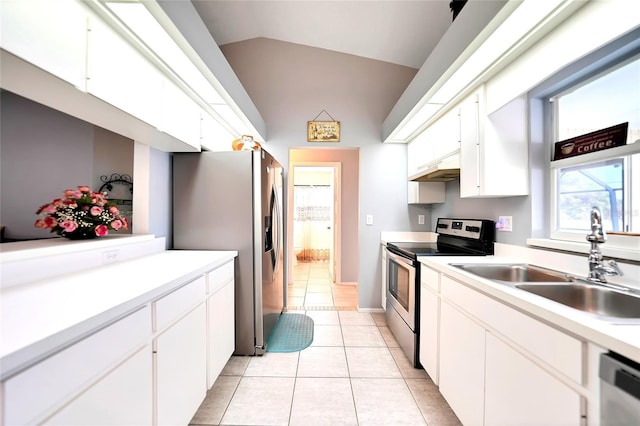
408 237
16 359
621 338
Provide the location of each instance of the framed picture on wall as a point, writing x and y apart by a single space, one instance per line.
323 131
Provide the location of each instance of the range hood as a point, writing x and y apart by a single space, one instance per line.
443 170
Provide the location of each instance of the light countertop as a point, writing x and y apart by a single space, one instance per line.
40 317
618 337
408 237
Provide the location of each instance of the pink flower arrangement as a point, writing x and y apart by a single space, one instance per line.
81 212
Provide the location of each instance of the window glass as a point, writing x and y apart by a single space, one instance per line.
581 187
610 99
611 182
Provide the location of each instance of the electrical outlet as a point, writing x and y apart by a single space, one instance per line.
420 219
110 256
505 224
369 219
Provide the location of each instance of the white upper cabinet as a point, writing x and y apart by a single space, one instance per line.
49 34
118 74
494 152
441 139
180 115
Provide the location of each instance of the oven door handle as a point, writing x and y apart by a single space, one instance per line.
401 259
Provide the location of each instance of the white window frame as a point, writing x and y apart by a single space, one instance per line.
625 242
618 246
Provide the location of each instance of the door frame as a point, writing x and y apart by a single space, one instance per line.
335 269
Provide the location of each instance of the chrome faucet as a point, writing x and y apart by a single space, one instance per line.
597 269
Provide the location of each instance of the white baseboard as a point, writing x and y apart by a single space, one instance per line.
348 283
371 310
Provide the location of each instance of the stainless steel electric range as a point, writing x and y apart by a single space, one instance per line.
456 237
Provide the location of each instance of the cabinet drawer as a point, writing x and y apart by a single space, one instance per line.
177 303
552 346
430 277
34 393
217 278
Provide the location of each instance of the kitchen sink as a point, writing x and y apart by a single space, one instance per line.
515 273
593 298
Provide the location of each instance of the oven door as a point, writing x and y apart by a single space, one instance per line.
401 290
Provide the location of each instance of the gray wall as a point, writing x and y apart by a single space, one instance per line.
519 208
43 152
291 84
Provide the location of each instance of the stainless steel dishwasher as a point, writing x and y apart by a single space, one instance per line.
619 391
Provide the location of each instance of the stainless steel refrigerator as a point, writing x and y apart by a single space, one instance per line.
233 201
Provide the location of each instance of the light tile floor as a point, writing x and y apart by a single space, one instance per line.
354 373
311 288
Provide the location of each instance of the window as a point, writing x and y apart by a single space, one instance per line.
607 179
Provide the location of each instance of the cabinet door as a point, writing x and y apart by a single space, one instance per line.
123 397
49 34
180 115
462 364
446 134
470 147
534 396
429 327
213 135
419 153
221 330
121 76
181 369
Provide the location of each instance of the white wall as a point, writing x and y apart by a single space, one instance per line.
160 192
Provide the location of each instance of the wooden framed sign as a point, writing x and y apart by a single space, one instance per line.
323 131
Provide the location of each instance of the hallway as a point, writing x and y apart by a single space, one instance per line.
312 289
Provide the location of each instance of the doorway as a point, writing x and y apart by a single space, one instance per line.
314 259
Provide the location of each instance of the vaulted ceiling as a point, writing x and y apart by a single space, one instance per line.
396 31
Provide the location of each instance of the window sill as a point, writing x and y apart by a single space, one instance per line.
571 246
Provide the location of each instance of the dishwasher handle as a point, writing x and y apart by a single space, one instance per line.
621 373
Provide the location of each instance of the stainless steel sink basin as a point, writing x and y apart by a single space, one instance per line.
592 298
515 273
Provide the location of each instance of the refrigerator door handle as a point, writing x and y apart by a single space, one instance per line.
275 232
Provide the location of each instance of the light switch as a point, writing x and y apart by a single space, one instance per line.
369 219
420 219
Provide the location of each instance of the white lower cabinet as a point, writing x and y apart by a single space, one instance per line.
181 369
462 352
518 392
221 339
150 367
429 333
43 389
123 397
495 368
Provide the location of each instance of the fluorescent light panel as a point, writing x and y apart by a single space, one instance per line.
523 19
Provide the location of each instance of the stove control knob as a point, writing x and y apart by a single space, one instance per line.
473 229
